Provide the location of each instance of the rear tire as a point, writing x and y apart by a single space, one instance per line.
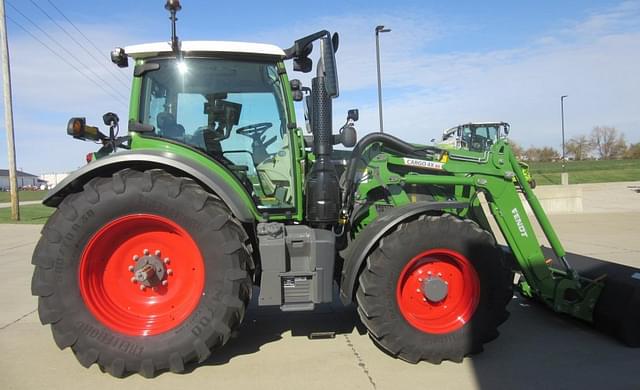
447 315
86 290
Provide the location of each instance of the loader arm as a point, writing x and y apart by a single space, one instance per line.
497 174
564 290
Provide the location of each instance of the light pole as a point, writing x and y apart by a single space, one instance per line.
562 117
379 29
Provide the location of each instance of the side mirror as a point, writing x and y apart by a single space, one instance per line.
329 64
353 115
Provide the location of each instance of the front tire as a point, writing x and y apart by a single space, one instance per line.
141 272
434 289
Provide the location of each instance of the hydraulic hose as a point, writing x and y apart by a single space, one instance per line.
393 143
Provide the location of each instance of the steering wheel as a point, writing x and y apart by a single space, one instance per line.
255 130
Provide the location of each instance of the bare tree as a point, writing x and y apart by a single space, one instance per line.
633 151
518 151
579 147
608 142
545 153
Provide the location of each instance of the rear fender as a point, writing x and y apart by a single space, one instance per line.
238 201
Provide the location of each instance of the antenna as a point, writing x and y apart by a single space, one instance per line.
173 6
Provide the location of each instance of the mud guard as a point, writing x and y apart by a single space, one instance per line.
151 159
357 252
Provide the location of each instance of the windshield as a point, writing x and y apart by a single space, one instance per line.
233 111
479 137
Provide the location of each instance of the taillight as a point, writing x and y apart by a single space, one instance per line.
89 157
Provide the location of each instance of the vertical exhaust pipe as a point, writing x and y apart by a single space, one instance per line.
322 187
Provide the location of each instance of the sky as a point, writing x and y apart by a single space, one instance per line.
443 64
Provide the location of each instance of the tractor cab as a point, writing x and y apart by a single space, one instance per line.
475 137
224 99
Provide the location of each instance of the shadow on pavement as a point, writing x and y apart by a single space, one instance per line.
267 324
538 348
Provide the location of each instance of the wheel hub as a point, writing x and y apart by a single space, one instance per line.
438 291
149 270
435 289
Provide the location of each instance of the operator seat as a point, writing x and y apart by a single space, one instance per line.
169 126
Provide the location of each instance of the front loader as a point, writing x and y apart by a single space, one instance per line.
216 195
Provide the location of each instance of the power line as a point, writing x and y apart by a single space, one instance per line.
65 60
98 61
66 50
75 27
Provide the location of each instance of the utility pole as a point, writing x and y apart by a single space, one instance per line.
8 115
379 29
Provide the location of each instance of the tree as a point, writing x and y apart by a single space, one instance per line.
545 153
549 154
518 151
608 142
579 147
633 151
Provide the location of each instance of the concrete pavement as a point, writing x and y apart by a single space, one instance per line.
536 348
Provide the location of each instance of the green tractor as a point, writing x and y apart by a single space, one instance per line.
215 196
480 137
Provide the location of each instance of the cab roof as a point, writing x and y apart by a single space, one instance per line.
155 49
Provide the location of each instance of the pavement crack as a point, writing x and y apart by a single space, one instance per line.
13 322
359 360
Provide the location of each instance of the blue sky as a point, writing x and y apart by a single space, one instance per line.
444 63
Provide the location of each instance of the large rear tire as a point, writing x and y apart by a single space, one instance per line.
142 272
434 289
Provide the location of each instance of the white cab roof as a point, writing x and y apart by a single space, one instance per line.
146 50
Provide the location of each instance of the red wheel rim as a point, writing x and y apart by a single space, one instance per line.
438 291
106 277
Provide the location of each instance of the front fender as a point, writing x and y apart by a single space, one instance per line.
357 252
217 181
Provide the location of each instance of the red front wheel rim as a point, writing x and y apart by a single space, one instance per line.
438 291
110 265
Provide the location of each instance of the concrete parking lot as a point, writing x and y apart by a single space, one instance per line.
536 349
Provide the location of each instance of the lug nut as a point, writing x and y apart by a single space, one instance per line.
133 279
157 252
166 260
142 287
136 257
169 271
164 282
131 268
146 252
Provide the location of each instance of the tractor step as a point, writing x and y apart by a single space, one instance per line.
617 311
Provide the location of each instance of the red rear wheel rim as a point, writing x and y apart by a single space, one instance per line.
116 300
444 313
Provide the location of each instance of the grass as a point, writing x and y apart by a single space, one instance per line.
23 196
587 171
31 214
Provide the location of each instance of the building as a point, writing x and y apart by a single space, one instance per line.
25 180
52 179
